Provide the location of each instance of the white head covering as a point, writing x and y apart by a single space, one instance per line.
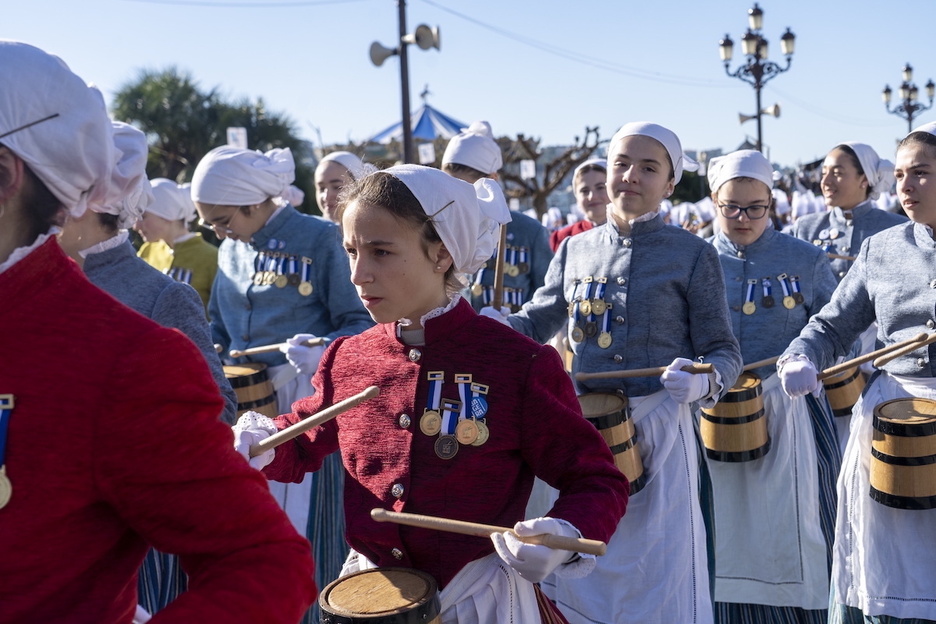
927 127
127 192
56 123
879 171
665 137
740 164
172 201
293 195
599 162
355 166
465 216
475 147
230 176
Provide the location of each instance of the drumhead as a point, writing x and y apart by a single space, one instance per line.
381 594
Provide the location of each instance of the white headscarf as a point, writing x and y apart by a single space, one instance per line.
127 192
465 216
293 196
171 201
55 122
474 147
879 171
667 138
355 166
230 176
927 127
598 162
740 164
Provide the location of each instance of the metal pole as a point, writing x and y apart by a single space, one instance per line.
404 87
909 120
760 141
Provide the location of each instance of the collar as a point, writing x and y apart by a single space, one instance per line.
644 224
440 323
923 236
838 215
21 252
121 237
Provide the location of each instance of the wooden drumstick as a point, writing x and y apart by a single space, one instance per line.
839 257
927 340
311 342
498 299
287 434
758 364
556 542
643 372
911 344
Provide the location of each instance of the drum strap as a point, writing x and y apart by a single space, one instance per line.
549 613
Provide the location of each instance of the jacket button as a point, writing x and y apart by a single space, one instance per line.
618 358
405 421
619 320
921 362
627 242
621 281
397 490
736 308
397 553
930 324
414 355
933 284
841 273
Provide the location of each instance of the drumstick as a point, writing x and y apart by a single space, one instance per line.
313 421
498 299
556 542
758 364
311 342
910 344
838 257
881 361
643 372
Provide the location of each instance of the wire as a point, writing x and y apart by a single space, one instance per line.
834 116
246 5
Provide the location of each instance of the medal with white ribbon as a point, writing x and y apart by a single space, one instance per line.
797 295
466 431
576 333
446 446
6 409
604 338
292 270
598 304
305 280
281 280
749 307
478 410
512 269
788 302
431 421
478 287
524 262
768 300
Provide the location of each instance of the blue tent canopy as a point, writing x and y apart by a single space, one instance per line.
427 124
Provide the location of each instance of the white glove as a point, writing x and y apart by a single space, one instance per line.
251 428
532 561
682 386
501 315
799 378
304 359
141 616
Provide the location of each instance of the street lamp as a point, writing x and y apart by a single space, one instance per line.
909 107
425 37
757 70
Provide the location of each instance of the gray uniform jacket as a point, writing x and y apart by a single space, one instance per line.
833 233
137 285
893 282
665 295
753 276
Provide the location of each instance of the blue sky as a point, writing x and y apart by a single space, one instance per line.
545 68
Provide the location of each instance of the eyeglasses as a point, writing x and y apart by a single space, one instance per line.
730 211
221 228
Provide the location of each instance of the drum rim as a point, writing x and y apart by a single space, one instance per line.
419 614
841 383
735 457
902 428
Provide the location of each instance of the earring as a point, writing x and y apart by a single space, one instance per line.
438 268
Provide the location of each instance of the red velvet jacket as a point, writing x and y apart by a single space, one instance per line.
561 234
114 445
536 428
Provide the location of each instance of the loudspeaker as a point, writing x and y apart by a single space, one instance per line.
379 53
772 110
425 37
742 117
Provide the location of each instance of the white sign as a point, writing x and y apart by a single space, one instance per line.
237 137
527 169
426 153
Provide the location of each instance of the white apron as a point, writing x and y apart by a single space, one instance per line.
769 547
656 567
865 344
884 558
485 591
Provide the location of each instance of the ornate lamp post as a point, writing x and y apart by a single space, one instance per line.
757 70
909 107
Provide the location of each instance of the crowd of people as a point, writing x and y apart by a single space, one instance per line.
722 484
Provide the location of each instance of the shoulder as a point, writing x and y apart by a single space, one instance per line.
520 222
791 245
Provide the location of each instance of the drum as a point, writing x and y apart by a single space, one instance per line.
381 596
253 388
903 454
735 428
843 390
608 412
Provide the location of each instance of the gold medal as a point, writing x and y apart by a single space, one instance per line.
513 270
585 307
483 433
446 447
748 307
466 432
604 340
258 278
430 423
577 334
6 489
281 281
476 290
789 302
305 289
598 306
268 278
571 309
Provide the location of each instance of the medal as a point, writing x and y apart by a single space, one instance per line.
591 328
513 270
281 281
748 307
483 433
258 278
6 488
598 306
797 295
767 301
604 340
585 307
305 289
446 447
6 409
466 432
577 334
476 290
293 279
430 423
789 302
523 267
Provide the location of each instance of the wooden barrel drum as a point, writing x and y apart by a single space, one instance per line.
608 412
903 454
735 428
381 596
253 388
843 390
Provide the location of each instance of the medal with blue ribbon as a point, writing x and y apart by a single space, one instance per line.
466 431
431 421
768 300
6 409
479 409
305 282
797 295
576 333
788 301
749 306
446 446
